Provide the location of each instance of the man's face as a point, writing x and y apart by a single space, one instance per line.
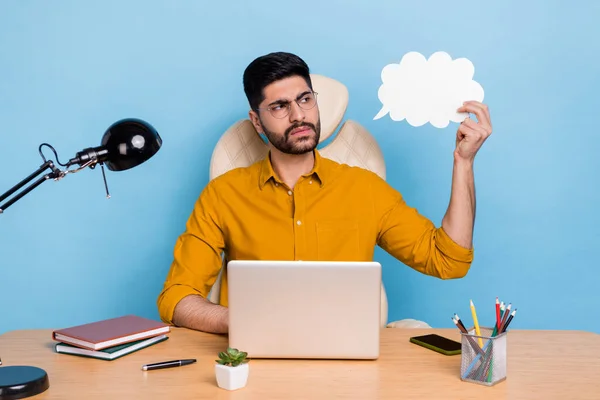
289 116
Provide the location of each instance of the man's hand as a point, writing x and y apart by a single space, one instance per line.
471 135
460 217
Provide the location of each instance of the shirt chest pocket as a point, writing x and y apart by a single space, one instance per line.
338 240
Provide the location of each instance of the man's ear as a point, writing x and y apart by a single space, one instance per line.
255 121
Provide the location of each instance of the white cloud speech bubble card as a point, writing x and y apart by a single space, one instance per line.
424 90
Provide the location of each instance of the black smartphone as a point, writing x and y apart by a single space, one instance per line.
438 343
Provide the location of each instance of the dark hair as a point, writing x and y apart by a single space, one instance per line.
269 68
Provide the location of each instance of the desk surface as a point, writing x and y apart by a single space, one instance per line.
541 364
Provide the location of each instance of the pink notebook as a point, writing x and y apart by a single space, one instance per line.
110 332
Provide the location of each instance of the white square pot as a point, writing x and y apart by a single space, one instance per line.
231 378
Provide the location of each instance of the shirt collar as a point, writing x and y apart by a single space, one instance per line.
267 172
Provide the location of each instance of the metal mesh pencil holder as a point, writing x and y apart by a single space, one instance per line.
483 357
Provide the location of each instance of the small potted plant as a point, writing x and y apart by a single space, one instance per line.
232 369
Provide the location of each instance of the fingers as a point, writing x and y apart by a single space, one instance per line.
467 129
481 111
480 130
484 108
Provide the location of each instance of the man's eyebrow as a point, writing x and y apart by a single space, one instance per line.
278 101
283 101
301 95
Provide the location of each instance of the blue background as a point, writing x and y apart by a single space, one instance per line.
69 69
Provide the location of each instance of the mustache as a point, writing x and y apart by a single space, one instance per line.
289 130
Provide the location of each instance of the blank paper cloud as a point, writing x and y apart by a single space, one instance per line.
424 90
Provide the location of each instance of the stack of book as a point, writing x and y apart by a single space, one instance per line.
110 339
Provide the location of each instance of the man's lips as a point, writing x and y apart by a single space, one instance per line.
301 130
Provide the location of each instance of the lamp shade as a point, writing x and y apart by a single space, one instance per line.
130 142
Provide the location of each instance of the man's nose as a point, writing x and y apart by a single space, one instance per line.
296 113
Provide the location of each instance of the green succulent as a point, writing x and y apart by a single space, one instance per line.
232 357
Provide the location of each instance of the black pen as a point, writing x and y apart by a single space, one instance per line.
168 364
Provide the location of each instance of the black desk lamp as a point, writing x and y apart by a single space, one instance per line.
125 144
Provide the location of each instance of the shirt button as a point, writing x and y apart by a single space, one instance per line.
299 222
290 192
310 182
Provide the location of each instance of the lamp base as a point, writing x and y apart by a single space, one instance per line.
20 381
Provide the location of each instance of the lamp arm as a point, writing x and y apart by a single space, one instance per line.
55 173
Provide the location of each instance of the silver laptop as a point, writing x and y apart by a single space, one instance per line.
305 309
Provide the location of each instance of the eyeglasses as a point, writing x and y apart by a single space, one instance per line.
281 109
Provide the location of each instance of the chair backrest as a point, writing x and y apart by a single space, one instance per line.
241 146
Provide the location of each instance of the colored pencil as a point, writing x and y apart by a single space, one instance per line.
476 323
505 327
505 316
460 322
497 313
461 327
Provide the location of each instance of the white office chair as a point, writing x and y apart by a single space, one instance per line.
241 146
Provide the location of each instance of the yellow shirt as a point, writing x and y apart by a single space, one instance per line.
336 212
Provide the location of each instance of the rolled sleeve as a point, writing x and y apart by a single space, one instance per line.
170 297
197 256
414 240
450 248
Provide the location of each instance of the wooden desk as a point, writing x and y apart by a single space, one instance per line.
541 365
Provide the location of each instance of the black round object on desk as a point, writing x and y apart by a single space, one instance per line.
20 381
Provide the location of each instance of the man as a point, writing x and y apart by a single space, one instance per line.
295 205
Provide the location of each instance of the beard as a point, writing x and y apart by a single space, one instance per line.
289 144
